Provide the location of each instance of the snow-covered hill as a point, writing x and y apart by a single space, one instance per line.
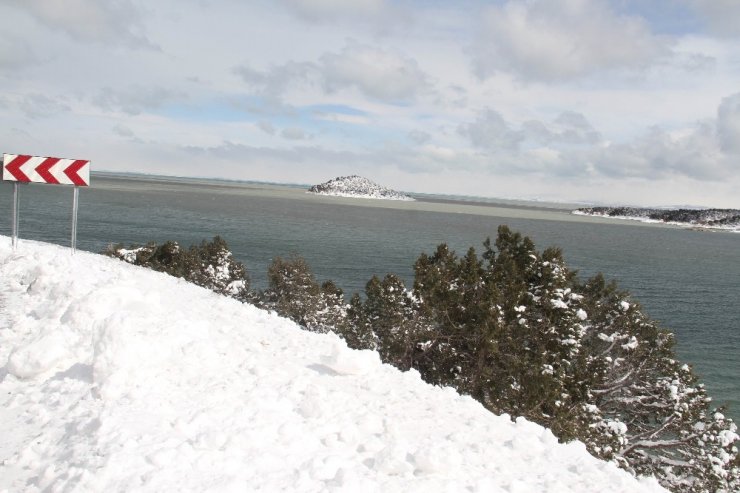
356 186
720 219
117 378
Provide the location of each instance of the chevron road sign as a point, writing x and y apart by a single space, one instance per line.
22 168
34 169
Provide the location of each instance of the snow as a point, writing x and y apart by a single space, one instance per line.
117 378
557 303
703 219
358 187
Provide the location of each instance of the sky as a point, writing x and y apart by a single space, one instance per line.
596 101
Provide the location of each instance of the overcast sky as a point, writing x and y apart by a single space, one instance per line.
610 101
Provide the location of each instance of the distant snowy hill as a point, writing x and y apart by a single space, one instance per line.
725 219
357 186
118 378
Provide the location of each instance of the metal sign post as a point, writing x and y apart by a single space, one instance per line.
14 239
75 202
21 168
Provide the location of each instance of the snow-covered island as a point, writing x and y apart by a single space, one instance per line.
357 186
118 378
724 219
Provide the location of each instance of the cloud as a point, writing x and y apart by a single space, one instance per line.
15 53
109 22
135 99
659 154
569 127
293 133
123 131
266 127
419 136
562 39
321 10
41 106
728 124
569 146
721 16
491 132
378 74
273 83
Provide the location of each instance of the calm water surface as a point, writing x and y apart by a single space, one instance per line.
688 280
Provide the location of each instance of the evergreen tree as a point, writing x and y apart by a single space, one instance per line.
521 334
294 293
391 313
210 264
655 416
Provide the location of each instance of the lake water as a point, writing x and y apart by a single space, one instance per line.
688 280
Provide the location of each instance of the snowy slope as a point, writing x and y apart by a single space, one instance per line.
116 378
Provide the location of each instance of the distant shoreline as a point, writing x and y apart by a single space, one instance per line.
718 220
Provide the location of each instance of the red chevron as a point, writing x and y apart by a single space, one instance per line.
72 169
14 168
43 170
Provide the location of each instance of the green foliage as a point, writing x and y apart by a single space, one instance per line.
210 264
294 293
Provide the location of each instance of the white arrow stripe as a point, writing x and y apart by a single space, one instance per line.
57 171
29 169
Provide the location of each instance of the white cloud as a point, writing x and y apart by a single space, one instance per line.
562 39
569 146
123 131
317 10
419 136
722 16
658 154
41 106
114 21
15 53
266 127
728 124
134 99
293 133
490 131
378 74
275 81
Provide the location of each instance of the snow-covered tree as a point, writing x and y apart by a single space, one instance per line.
389 321
294 293
209 264
651 406
520 333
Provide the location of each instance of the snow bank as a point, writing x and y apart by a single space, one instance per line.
116 378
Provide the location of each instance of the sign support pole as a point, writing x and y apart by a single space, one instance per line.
16 215
75 201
